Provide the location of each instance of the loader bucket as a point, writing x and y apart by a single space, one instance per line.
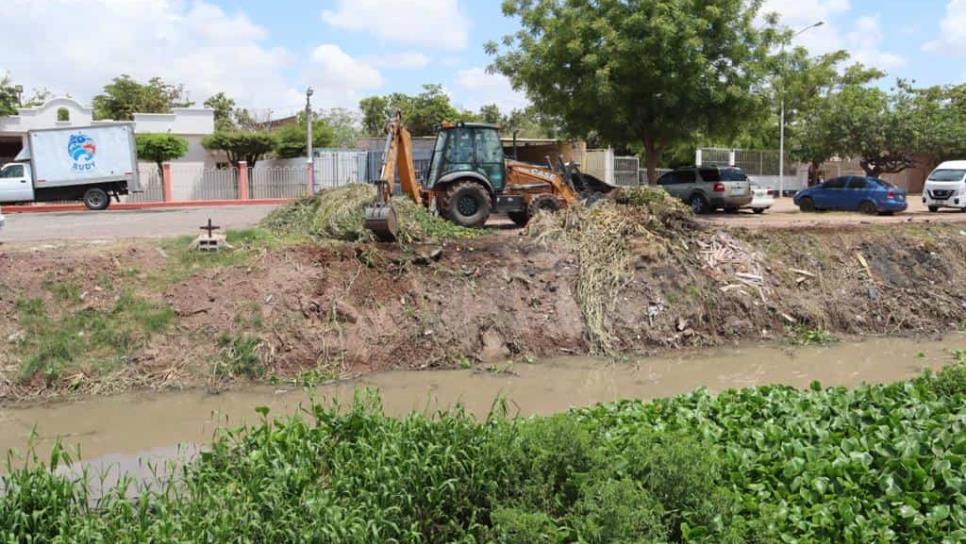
382 221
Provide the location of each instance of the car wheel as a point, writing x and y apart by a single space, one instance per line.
868 207
96 199
759 211
933 209
806 204
699 205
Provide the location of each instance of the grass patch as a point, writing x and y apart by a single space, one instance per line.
73 338
240 356
803 335
878 463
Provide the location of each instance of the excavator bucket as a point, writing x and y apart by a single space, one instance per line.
381 219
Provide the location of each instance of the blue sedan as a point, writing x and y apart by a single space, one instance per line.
853 193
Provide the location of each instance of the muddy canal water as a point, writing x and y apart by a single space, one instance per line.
122 429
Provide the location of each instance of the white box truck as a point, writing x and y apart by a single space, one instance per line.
91 164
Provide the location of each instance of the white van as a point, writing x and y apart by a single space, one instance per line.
946 187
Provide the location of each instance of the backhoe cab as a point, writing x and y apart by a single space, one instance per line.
469 179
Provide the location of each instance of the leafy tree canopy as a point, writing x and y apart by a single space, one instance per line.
160 148
124 97
291 138
10 97
639 71
241 146
422 113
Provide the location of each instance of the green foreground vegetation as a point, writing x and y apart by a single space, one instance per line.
878 463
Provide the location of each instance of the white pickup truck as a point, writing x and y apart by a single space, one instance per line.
91 164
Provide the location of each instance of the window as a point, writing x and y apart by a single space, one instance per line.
685 176
437 160
667 179
947 175
459 150
834 183
12 171
733 174
488 146
857 183
881 183
710 174
63 114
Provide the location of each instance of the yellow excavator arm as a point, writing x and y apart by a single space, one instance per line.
397 159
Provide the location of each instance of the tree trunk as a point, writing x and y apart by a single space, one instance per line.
650 159
872 170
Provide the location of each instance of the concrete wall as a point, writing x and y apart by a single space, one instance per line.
45 116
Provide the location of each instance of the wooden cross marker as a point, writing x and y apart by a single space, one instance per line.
210 228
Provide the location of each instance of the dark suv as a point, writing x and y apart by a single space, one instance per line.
707 188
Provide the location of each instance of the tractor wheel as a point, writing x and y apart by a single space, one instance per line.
548 203
467 204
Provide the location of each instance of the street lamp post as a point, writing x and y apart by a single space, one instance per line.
308 135
781 138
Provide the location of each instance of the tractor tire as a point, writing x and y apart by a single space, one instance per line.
96 199
548 203
467 204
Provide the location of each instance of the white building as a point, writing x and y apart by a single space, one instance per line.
192 124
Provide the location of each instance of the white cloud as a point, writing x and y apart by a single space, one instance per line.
338 78
197 44
404 59
429 23
952 31
864 44
479 88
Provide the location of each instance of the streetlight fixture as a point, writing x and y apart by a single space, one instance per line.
308 135
781 144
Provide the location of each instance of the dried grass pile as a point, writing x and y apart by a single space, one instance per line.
339 214
608 237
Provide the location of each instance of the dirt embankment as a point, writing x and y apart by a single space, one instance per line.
316 312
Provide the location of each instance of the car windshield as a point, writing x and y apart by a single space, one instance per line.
947 175
884 183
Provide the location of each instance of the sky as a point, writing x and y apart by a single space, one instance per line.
264 53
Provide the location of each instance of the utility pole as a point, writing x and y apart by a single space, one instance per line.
781 138
308 134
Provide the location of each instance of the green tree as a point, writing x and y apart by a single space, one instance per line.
124 97
490 113
344 125
646 72
241 146
421 113
224 107
160 147
12 94
290 139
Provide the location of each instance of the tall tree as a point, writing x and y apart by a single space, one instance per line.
421 113
490 113
11 96
160 148
241 146
124 96
344 124
290 139
224 107
647 72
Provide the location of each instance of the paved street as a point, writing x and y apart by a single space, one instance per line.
784 214
121 224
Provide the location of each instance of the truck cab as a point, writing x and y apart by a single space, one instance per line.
16 184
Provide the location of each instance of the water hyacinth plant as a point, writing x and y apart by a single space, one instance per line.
878 463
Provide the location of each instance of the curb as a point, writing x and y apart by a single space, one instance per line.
143 205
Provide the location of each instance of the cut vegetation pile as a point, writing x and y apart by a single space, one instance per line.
608 238
339 214
879 463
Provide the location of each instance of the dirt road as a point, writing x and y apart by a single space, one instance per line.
784 214
123 224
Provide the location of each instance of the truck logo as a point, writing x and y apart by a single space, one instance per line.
82 149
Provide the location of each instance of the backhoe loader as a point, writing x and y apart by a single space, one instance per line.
469 179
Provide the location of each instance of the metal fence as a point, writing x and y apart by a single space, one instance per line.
277 182
755 162
335 167
626 171
204 183
150 179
